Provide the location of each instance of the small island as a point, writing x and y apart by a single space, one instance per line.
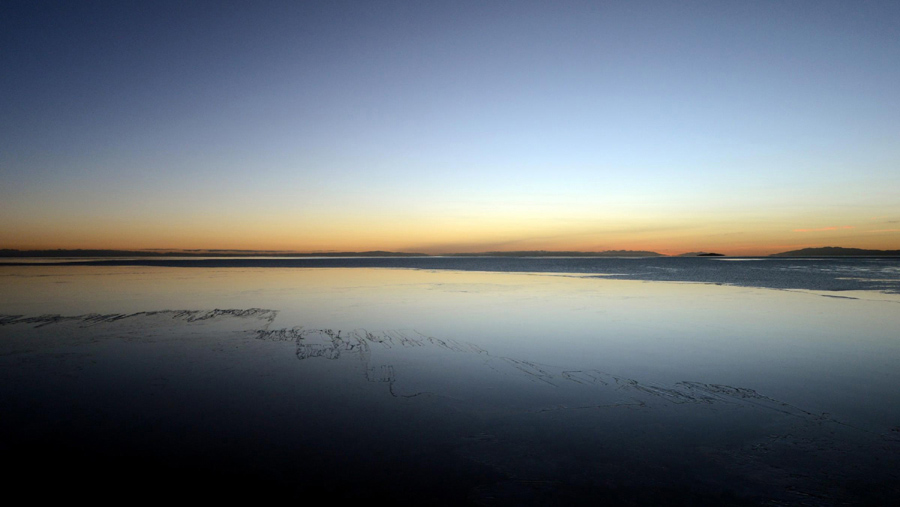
701 254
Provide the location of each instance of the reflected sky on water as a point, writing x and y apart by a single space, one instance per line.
500 355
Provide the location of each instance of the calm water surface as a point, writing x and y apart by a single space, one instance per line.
458 386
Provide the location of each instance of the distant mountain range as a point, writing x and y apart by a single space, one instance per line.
7 252
829 251
12 253
836 251
547 253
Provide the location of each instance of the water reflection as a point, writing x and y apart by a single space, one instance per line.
470 387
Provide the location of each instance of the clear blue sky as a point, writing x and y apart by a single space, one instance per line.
746 127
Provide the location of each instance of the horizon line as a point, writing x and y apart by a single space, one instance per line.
224 252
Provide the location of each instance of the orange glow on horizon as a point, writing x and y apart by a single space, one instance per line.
821 229
432 233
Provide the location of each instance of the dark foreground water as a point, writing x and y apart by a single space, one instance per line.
449 385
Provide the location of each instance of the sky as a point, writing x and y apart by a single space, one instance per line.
745 128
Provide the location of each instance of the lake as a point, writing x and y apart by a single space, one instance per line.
482 381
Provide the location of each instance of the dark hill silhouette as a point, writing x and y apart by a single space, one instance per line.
546 253
11 253
701 254
836 251
156 253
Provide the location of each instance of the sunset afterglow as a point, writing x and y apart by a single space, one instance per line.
742 128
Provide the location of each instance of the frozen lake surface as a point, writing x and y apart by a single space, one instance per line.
456 385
